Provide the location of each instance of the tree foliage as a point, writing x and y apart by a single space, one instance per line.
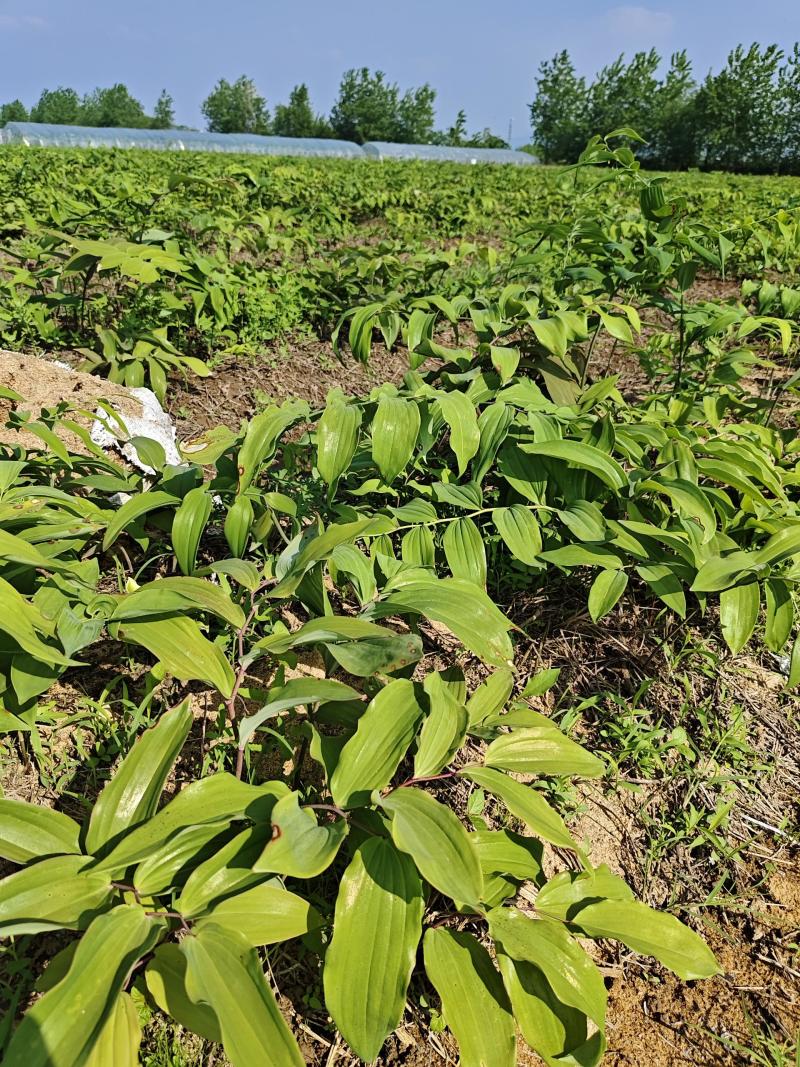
236 107
298 119
745 117
370 108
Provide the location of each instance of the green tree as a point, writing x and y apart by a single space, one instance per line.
369 108
112 107
164 112
415 116
366 108
486 139
14 111
789 93
61 106
559 111
297 118
624 94
739 113
236 108
673 143
457 134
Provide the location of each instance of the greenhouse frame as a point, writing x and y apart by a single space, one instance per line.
45 135
386 150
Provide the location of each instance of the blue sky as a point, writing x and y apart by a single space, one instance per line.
477 55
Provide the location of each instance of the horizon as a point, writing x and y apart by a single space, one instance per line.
311 43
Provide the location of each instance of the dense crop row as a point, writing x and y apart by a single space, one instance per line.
372 538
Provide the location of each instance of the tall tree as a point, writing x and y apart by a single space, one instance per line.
369 108
789 93
60 106
559 111
366 107
112 107
236 108
415 116
739 113
672 133
297 118
623 94
14 111
164 112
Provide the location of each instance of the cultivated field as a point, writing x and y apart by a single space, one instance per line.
440 706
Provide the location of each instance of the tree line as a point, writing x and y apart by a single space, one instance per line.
745 117
368 108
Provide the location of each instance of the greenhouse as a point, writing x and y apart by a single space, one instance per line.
44 135
385 150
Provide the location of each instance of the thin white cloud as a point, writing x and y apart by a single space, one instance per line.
635 20
21 22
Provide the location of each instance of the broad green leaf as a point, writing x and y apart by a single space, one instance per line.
541 750
474 1003
20 620
294 693
569 971
464 551
783 545
376 930
228 871
584 457
318 547
567 892
650 932
377 655
463 608
54 894
722 572
432 835
264 915
219 798
688 499
417 547
560 1034
524 802
491 696
165 977
504 852
666 585
169 865
262 436
395 429
187 527
31 831
14 549
119 1040
63 1026
738 614
225 973
382 738
443 730
299 847
133 509
569 556
520 531
780 613
131 795
606 590
168 596
493 426
458 412
238 524
182 649
337 437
